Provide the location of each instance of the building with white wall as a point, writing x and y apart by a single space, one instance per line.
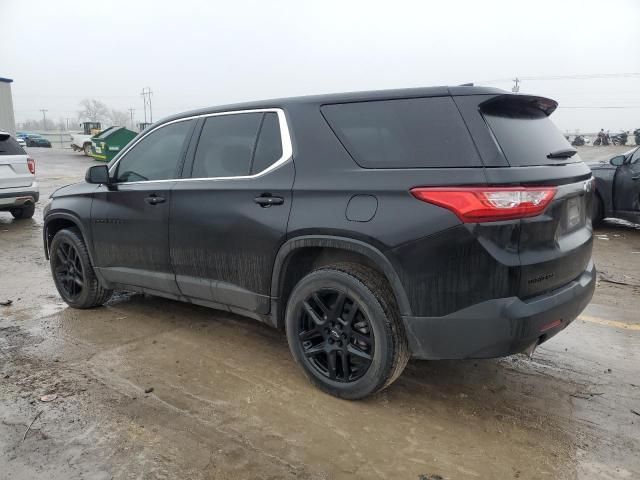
7 118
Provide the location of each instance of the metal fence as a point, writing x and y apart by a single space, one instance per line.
57 139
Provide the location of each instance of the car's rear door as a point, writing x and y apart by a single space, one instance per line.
130 219
229 214
626 188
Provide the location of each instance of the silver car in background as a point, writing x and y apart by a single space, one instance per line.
18 187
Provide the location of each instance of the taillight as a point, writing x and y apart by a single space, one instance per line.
488 204
31 163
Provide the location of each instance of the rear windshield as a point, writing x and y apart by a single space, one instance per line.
525 133
8 146
405 133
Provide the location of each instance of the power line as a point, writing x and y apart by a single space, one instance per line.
587 76
44 117
131 110
146 98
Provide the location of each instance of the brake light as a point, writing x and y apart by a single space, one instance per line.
488 204
31 163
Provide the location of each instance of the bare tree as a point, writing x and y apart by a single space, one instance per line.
93 110
118 118
61 125
33 124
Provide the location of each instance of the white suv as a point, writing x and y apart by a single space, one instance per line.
18 187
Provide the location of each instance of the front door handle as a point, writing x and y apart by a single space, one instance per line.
154 199
635 177
267 200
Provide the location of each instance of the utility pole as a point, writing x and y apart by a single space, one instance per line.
44 117
146 98
131 110
516 86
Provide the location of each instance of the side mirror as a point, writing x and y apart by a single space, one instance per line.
617 161
98 174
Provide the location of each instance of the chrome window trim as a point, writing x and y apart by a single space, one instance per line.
285 139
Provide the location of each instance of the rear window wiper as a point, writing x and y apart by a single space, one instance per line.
565 153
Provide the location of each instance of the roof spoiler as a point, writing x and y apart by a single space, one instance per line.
509 101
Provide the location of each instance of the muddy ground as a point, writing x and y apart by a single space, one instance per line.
150 388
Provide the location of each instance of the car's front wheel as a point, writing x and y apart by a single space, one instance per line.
344 329
73 273
87 149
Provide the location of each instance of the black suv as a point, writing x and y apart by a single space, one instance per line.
434 223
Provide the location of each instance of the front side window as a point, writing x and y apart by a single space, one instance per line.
156 156
237 145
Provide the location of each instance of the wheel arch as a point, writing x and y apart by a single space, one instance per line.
300 255
58 221
604 192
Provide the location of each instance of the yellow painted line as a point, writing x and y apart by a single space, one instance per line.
610 323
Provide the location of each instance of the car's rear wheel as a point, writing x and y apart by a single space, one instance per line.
24 212
597 211
344 329
73 274
87 149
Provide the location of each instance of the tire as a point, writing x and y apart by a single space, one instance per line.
23 213
86 148
597 211
374 329
69 259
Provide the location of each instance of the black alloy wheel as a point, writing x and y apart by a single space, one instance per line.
345 331
68 270
73 272
336 336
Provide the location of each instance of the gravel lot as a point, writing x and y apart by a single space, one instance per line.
228 402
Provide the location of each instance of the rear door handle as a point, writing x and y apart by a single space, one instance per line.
267 200
635 177
154 199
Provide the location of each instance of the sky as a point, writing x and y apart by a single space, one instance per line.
203 53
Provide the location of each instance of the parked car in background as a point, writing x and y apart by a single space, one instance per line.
617 187
35 140
18 187
373 227
21 141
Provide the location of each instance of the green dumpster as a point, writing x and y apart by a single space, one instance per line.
109 142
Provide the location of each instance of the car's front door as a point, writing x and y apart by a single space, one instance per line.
130 219
229 218
626 187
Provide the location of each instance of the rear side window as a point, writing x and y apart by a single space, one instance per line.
8 146
525 133
405 133
226 145
237 145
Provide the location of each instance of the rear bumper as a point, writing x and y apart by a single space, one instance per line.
499 327
17 197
